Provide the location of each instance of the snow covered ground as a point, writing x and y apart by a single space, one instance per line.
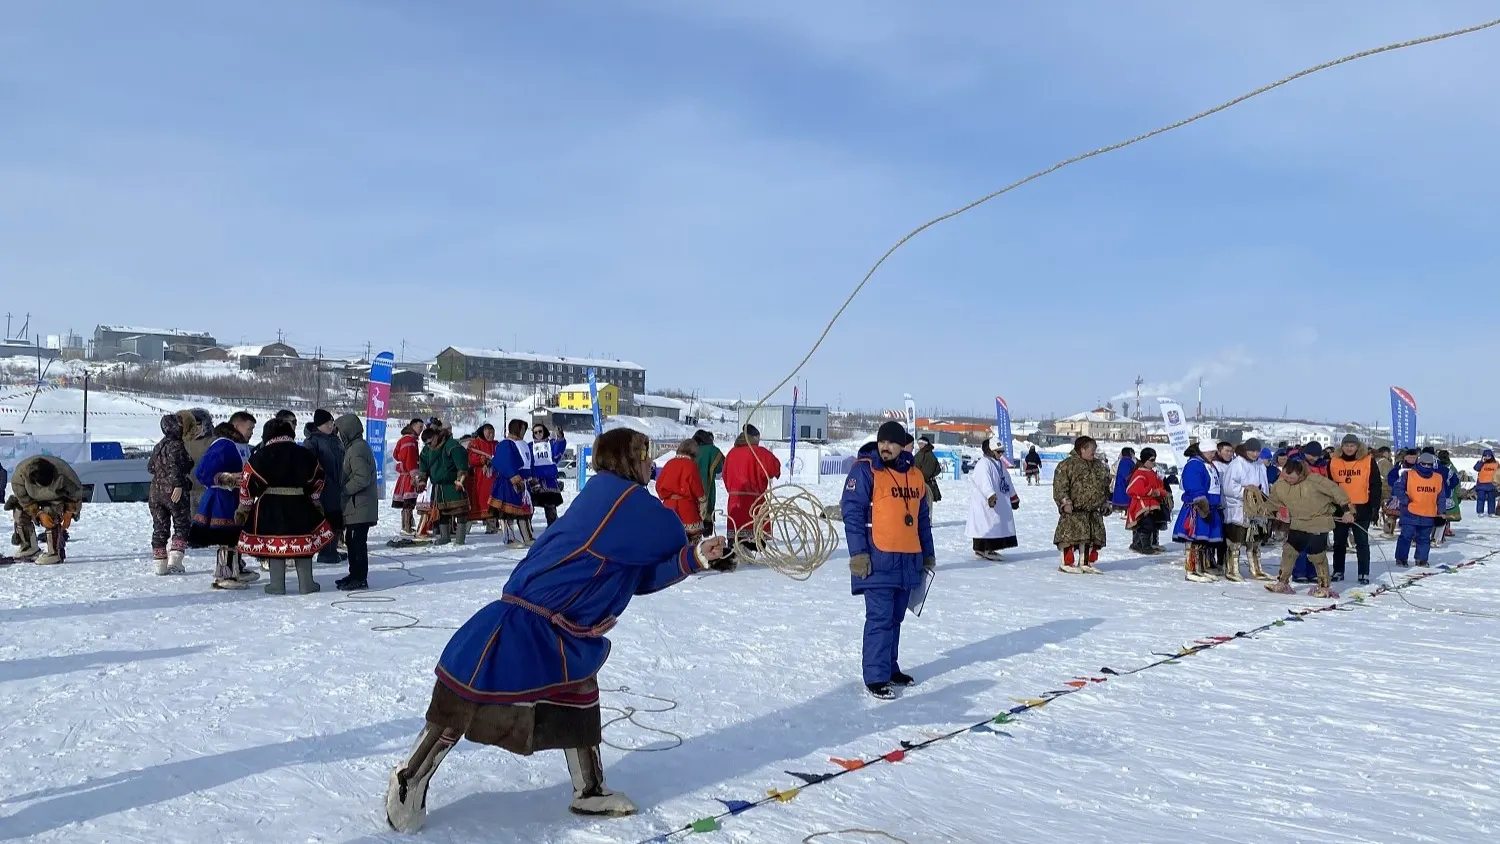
143 708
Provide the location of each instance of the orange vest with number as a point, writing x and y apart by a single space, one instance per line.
896 495
1353 476
1422 494
1487 471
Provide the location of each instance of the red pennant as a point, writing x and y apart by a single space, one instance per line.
1077 684
894 756
848 764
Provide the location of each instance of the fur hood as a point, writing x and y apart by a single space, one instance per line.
171 426
196 423
226 430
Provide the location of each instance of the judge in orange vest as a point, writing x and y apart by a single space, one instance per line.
1419 494
1353 469
888 524
1484 491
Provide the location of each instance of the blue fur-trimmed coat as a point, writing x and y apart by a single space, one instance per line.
216 509
1121 498
1200 481
888 569
545 636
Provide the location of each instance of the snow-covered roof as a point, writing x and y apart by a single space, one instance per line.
642 400
1097 416
496 354
581 388
246 351
174 332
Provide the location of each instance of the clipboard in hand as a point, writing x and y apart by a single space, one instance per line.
918 597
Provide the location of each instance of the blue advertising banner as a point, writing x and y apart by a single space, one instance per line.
594 400
793 455
1002 425
585 454
377 405
952 464
1403 419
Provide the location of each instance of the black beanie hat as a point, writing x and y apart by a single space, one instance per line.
321 417
1148 453
893 432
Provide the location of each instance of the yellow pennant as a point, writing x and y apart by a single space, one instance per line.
1032 702
783 796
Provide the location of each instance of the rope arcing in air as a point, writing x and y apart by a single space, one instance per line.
789 508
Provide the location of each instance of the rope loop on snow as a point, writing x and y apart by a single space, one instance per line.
800 555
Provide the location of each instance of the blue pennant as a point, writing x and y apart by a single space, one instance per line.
736 806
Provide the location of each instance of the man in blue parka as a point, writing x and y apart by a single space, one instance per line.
888 524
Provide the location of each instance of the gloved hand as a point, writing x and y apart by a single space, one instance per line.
1106 508
992 501
518 482
1202 508
1067 506
859 565
929 563
1015 503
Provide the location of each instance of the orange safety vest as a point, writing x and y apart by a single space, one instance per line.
1354 476
1487 471
895 508
1422 494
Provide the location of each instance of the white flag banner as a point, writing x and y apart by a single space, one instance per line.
1177 430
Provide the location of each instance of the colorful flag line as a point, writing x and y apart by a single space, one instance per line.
846 767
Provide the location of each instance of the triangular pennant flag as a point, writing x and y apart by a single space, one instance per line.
705 825
848 764
1280 622
1077 684
894 756
783 796
1056 694
1002 718
736 806
811 779
986 728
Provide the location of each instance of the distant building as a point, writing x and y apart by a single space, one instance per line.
151 345
577 397
1101 423
16 347
213 353
407 381
657 407
456 364
272 357
775 421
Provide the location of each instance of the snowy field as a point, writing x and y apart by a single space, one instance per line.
137 708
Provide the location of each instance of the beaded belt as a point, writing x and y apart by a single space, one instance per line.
560 621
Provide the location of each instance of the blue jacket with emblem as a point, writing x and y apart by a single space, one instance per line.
545 635
888 570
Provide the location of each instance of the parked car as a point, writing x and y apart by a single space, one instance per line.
966 463
567 468
114 481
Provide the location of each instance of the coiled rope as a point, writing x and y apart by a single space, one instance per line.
855 831
779 514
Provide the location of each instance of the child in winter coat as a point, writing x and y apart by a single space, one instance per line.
171 497
1144 515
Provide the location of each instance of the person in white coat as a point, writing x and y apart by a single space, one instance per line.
1242 530
992 525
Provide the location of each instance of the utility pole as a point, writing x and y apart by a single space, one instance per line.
1138 382
7 325
317 372
403 351
367 351
1200 398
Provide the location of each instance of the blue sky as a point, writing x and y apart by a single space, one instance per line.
697 185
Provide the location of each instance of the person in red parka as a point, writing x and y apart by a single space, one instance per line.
748 471
679 485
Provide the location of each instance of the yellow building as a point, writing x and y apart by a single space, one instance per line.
576 397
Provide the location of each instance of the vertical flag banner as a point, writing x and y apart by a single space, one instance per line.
1002 428
911 416
594 400
377 407
1177 430
1403 419
792 458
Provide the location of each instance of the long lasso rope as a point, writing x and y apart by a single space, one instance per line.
872 833
793 543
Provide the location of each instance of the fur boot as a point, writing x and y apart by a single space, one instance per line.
527 537
1232 564
444 531
276 585
406 795
590 796
461 535
229 570
175 560
306 584
159 556
1256 572
491 526
1195 564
